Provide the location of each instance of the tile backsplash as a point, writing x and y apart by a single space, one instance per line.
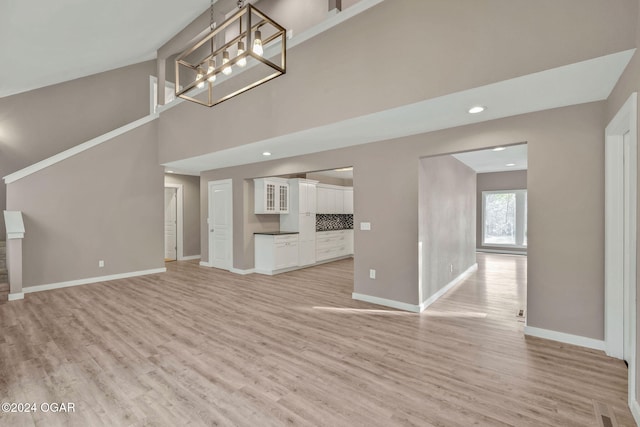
327 222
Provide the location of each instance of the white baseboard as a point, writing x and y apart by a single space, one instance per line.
433 298
243 272
386 302
189 258
205 264
500 251
48 287
16 296
635 411
565 338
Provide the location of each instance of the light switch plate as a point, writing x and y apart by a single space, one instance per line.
365 226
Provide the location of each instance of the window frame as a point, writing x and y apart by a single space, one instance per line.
520 219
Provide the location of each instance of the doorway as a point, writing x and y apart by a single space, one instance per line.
620 237
220 224
173 222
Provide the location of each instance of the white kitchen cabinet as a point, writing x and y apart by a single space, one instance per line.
302 218
333 244
348 200
338 196
271 196
275 253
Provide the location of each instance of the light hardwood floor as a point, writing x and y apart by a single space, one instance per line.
199 346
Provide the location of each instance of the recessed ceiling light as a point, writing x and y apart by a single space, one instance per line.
510 164
499 148
266 153
169 171
477 109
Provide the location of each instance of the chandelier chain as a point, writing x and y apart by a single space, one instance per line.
240 4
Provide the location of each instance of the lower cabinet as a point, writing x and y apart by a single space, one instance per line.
333 244
275 252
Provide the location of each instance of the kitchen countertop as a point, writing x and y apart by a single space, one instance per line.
332 229
277 233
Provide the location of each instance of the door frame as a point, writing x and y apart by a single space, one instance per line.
210 185
620 297
179 219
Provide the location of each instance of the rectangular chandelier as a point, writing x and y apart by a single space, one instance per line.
245 51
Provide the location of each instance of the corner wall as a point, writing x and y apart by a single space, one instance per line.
447 216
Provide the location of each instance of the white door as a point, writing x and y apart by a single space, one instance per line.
220 224
170 224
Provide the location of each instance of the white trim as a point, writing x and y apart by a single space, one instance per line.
386 302
58 285
14 225
433 298
189 258
78 149
565 338
500 251
209 242
179 218
635 410
205 264
620 295
16 296
243 272
12 236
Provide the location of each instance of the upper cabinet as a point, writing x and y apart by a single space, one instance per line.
271 196
333 199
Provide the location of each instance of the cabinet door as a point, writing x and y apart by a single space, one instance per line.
311 198
269 196
306 252
281 255
339 197
348 201
283 198
307 223
323 200
303 197
292 254
331 201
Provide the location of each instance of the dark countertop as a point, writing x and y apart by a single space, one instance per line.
277 233
332 229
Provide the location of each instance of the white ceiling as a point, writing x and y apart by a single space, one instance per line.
43 42
483 161
578 83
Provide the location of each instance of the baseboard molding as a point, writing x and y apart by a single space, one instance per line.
386 302
48 287
433 298
16 296
500 251
205 264
189 258
243 272
635 411
565 338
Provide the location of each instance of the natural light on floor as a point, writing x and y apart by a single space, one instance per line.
429 313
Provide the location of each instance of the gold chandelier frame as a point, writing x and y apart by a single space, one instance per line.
248 37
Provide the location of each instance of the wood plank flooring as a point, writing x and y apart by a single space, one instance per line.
198 346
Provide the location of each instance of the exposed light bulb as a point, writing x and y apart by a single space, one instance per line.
198 77
225 59
241 62
257 43
212 67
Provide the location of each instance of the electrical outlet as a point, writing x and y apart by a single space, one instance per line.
365 226
101 263
372 274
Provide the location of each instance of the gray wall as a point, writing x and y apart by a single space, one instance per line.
510 180
497 39
566 255
447 212
40 123
190 211
103 204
